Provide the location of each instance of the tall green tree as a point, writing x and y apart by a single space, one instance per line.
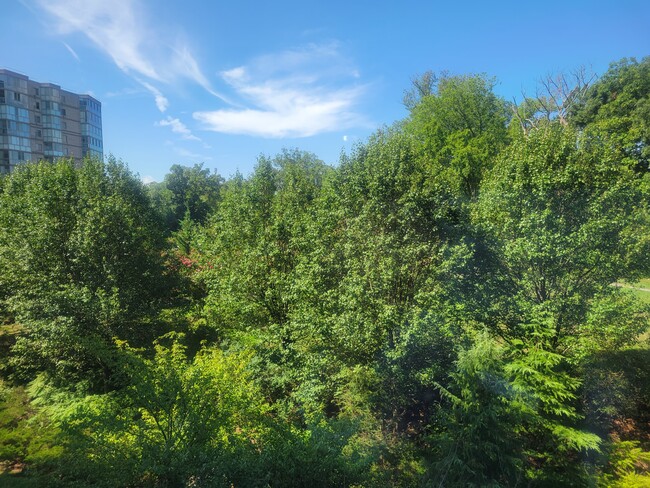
80 263
566 219
191 191
251 244
511 417
394 221
249 251
618 106
373 285
461 128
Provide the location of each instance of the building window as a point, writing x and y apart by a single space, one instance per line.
37 105
38 119
64 124
63 112
17 96
39 133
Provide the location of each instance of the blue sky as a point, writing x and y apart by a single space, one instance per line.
223 82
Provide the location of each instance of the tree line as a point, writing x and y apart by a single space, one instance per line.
437 309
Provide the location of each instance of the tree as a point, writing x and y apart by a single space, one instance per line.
557 98
190 190
251 244
373 283
178 420
393 220
249 252
565 219
421 86
80 260
511 417
618 107
460 128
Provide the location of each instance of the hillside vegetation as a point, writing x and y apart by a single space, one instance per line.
438 309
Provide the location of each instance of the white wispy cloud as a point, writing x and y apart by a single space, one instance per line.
117 30
188 154
178 127
122 32
124 92
161 100
295 93
185 153
71 51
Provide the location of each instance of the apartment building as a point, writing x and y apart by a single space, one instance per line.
43 121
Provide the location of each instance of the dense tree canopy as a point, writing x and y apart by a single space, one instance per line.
449 305
618 105
186 193
566 219
80 264
460 128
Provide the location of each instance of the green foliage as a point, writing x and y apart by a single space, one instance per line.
375 281
460 129
618 107
186 191
566 220
406 396
475 442
391 231
250 251
80 263
512 417
437 310
544 388
197 422
178 421
628 466
615 392
251 244
27 435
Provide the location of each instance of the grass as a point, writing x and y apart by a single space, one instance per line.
642 294
643 283
639 289
26 437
